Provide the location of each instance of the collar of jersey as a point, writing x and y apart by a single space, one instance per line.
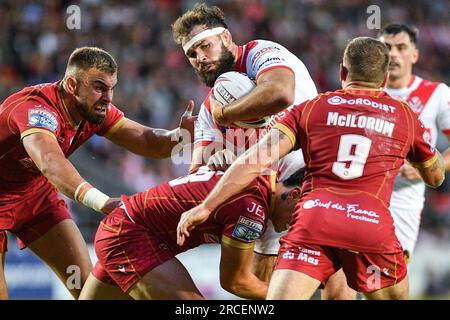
65 110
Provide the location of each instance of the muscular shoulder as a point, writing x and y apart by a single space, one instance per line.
32 107
44 94
263 54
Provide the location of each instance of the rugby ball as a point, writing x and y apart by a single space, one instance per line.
233 85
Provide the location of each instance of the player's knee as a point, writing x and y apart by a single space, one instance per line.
399 293
344 293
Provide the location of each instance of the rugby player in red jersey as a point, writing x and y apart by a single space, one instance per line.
40 126
431 102
354 142
137 243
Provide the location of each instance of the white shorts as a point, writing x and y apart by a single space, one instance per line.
407 223
269 243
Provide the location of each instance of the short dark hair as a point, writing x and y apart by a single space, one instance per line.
295 179
366 59
92 57
210 17
394 28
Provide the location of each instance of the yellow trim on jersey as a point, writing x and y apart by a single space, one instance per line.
237 244
148 199
35 130
114 128
426 164
273 186
287 132
72 123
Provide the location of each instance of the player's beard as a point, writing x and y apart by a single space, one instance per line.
83 110
224 64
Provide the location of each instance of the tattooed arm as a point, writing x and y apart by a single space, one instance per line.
433 173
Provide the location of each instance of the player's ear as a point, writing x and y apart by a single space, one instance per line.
70 84
227 38
294 194
343 72
415 55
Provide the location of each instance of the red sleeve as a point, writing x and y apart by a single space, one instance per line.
243 221
34 116
112 122
422 154
290 124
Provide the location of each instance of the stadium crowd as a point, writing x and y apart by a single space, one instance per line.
155 80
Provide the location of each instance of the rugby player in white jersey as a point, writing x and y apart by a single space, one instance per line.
282 80
431 100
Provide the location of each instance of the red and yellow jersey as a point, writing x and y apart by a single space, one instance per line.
353 142
39 109
237 222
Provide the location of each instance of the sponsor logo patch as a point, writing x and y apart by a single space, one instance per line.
247 229
42 118
350 210
337 100
305 255
271 61
264 51
416 105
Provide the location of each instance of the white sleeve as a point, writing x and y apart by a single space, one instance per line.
443 118
266 55
205 128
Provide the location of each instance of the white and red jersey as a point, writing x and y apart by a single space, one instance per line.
253 59
431 101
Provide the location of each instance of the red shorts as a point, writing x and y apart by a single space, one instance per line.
3 241
126 250
32 217
365 272
101 274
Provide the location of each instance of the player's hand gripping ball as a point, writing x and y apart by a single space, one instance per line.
233 85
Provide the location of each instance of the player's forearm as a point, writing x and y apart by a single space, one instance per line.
151 143
162 143
60 172
66 179
241 173
272 147
265 100
434 175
